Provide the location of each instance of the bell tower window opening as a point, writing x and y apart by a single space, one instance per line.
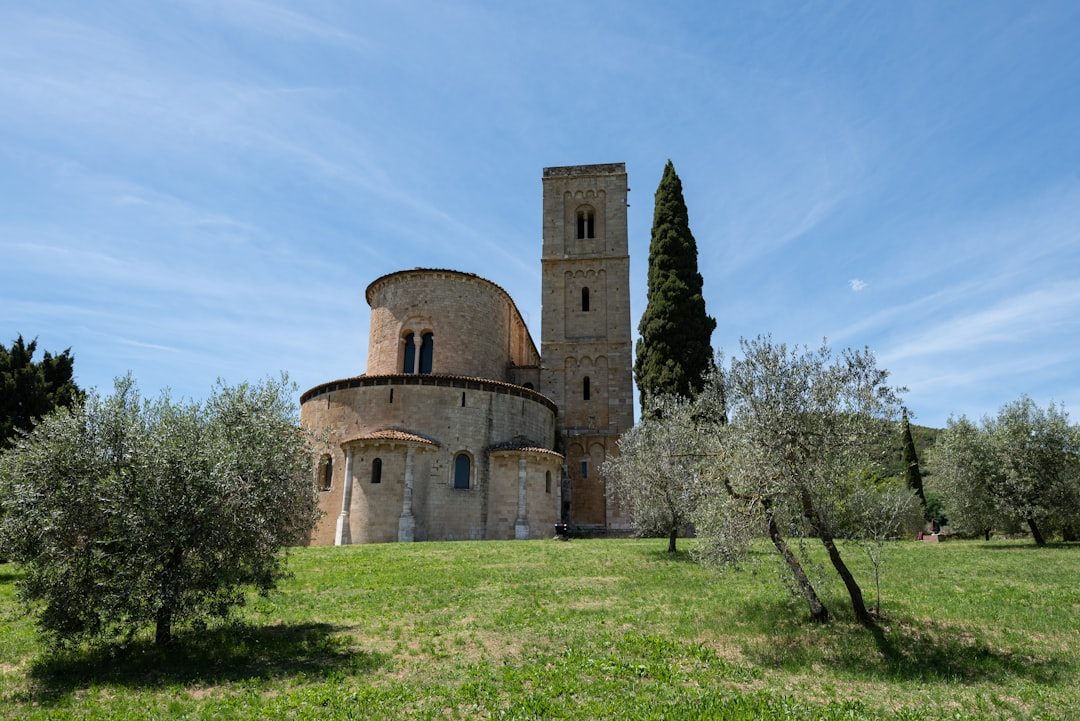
427 349
586 224
585 300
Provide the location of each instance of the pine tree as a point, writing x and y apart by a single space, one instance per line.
675 351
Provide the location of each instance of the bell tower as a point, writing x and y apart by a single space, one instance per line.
586 347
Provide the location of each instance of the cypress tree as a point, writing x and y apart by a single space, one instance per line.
675 351
912 474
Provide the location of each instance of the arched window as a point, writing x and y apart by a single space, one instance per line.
326 473
462 470
409 366
585 223
427 348
376 471
547 482
586 391
585 300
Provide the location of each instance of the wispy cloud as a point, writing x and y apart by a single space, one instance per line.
857 285
1009 322
273 20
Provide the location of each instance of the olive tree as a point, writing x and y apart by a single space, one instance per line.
126 513
879 514
962 462
801 424
654 476
1021 466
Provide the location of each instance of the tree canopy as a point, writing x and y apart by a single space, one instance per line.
803 427
656 471
675 351
29 389
127 512
1022 466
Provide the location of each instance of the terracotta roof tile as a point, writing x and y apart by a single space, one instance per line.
393 434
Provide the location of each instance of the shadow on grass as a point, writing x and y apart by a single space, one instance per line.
897 650
938 652
230 653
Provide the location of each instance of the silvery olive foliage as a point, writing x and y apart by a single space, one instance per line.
127 512
879 513
656 475
962 461
802 428
783 442
1020 467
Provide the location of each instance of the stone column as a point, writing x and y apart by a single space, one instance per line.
407 522
343 536
521 525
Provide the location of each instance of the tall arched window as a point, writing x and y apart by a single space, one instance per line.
409 365
586 391
376 471
585 300
462 470
427 349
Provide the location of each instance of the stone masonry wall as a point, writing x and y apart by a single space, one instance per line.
593 343
456 415
477 329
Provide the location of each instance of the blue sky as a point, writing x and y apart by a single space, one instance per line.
195 189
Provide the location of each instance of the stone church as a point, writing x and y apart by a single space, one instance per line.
460 428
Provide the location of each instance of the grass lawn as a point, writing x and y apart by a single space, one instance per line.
590 629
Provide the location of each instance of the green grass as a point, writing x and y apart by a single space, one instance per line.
589 629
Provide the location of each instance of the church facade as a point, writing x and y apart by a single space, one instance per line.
461 428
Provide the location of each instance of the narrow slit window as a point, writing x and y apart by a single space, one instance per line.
585 300
376 471
584 470
547 482
586 390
